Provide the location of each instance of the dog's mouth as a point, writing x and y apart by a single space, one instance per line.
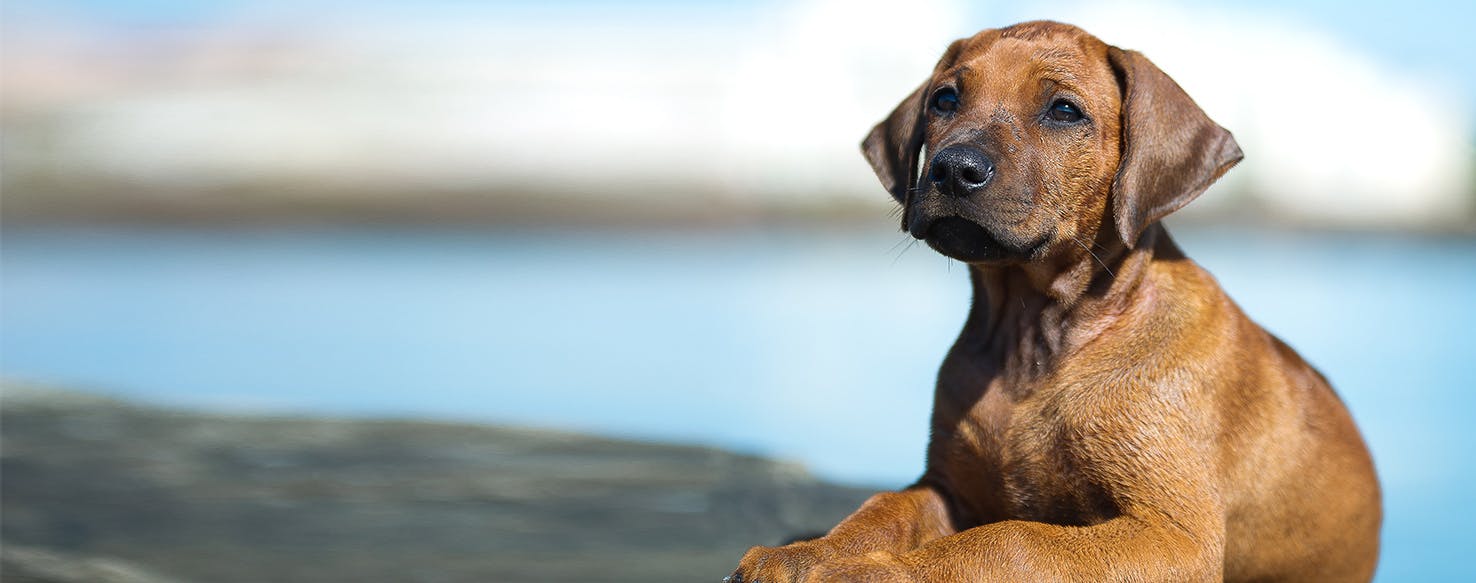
967 241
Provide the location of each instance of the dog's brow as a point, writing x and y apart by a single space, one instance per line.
1056 76
1054 64
958 74
1054 54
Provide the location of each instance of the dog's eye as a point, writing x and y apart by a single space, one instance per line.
1064 111
945 100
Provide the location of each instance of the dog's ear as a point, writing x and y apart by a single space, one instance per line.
1171 150
893 145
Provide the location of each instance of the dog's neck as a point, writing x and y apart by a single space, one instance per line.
1028 316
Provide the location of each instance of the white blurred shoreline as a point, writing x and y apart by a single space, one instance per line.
472 211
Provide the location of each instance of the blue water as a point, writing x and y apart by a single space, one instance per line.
814 346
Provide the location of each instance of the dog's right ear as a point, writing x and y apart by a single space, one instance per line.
893 145
1171 150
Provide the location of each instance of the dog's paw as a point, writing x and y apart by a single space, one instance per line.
878 567
786 564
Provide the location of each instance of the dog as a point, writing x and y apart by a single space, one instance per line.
1107 413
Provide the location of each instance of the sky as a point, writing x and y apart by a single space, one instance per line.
1426 34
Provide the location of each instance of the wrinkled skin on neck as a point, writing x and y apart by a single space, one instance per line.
1027 316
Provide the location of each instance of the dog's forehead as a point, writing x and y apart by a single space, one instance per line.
1024 54
1013 59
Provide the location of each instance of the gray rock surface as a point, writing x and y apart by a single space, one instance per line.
21 564
171 495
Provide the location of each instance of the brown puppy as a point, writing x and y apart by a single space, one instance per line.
1107 414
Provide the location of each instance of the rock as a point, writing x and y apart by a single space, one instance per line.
228 498
32 565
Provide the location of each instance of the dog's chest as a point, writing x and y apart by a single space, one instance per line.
1008 459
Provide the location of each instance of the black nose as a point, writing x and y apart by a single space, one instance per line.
960 170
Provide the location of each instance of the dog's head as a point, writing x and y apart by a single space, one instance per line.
1023 137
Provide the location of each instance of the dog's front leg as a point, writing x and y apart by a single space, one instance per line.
888 523
1122 549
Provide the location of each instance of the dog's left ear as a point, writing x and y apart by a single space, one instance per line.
892 146
1171 150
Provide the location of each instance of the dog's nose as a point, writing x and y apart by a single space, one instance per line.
960 170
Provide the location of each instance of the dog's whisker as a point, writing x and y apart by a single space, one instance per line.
899 243
904 250
1094 255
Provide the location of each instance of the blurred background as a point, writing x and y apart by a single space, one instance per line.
237 236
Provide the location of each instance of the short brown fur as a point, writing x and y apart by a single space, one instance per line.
1107 413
